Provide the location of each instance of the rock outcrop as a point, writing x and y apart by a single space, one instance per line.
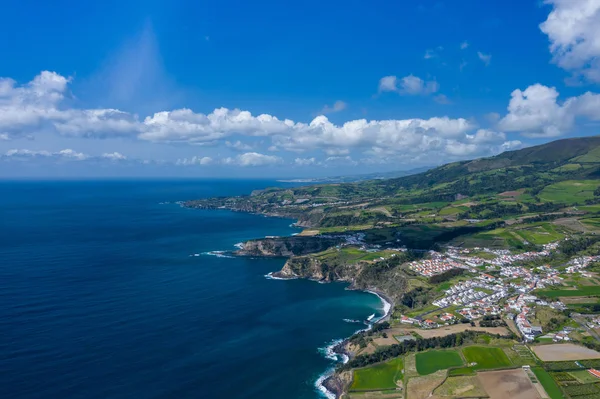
363 275
286 246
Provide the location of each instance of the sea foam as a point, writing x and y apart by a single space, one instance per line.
218 254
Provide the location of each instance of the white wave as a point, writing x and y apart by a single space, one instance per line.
371 317
329 351
239 245
352 321
218 254
321 388
270 276
195 255
386 306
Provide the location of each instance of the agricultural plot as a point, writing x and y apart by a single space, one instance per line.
378 377
463 386
587 391
513 384
376 395
486 357
422 387
548 383
541 234
581 291
562 352
584 377
569 191
431 361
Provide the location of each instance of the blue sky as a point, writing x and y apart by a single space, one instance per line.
267 88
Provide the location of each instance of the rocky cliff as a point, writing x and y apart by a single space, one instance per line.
389 280
286 246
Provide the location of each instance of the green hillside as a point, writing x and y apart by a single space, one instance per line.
513 199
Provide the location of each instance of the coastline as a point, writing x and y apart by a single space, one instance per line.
328 384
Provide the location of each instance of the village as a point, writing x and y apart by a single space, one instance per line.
506 296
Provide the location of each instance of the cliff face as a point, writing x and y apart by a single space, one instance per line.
362 275
339 383
309 267
286 246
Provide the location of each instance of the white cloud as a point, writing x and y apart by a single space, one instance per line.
464 45
536 112
38 107
253 159
429 54
433 53
460 149
4 137
413 85
337 151
66 154
114 156
573 27
337 107
238 145
195 161
305 161
388 83
442 99
408 85
485 136
485 58
492 117
347 160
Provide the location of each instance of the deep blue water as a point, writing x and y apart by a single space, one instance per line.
100 298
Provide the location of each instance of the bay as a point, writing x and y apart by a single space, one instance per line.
108 290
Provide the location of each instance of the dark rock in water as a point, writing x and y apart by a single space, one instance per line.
286 246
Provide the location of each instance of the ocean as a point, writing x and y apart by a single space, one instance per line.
109 289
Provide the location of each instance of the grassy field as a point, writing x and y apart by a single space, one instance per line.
381 376
486 357
569 191
350 255
543 233
581 291
432 361
462 386
584 377
548 383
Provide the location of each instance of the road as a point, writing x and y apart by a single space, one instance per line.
582 322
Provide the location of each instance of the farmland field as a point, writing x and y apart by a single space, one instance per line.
486 357
548 383
463 386
381 376
541 234
569 191
584 376
432 361
559 352
581 291
513 384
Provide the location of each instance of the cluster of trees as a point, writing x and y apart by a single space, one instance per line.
445 276
576 245
361 339
416 298
418 344
351 219
492 321
492 211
